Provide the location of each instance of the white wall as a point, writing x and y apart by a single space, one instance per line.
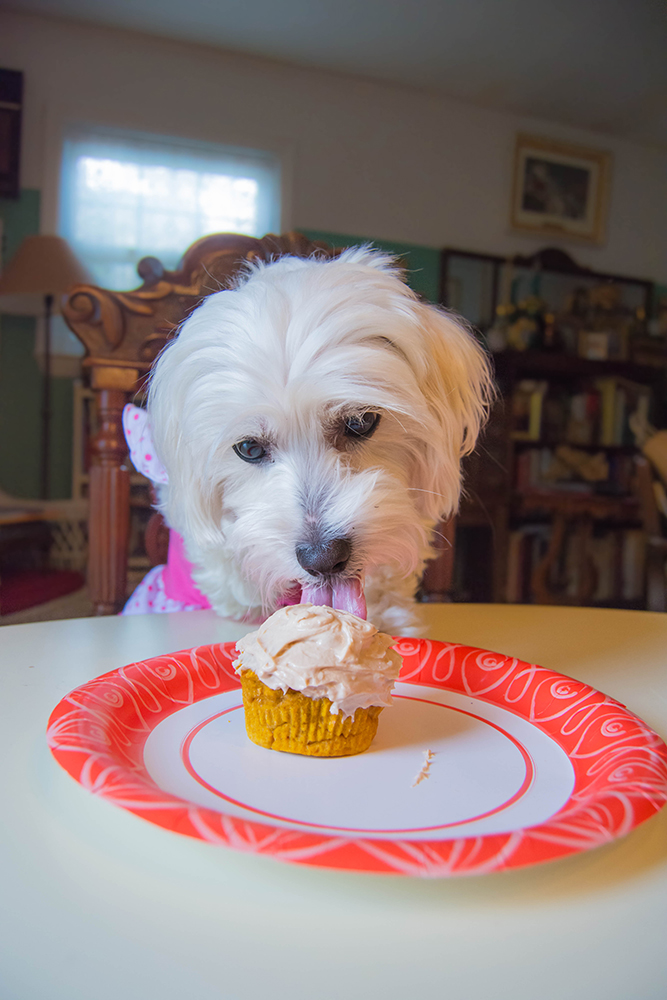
361 157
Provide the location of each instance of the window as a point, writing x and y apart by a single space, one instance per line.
125 196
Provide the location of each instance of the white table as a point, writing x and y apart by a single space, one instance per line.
97 904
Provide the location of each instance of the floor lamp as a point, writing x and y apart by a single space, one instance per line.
43 266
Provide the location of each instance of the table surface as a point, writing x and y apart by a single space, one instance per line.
98 904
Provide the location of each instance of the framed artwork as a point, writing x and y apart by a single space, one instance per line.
560 190
11 97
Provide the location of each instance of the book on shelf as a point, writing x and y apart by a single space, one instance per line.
527 547
633 568
619 399
582 418
526 410
596 414
565 468
617 557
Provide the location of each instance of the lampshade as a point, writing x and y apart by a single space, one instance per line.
42 265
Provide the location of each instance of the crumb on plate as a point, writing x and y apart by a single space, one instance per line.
428 757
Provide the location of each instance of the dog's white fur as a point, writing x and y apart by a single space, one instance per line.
284 356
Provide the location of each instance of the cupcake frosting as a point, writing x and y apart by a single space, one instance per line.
323 653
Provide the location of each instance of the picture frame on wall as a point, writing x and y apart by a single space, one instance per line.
560 189
11 101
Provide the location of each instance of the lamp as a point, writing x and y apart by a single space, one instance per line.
46 266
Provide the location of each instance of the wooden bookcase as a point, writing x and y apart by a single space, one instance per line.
550 513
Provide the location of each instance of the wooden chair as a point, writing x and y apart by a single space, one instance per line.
123 333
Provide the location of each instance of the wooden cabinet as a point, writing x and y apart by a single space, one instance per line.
550 511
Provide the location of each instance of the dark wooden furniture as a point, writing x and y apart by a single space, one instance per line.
501 500
656 542
577 513
495 275
437 582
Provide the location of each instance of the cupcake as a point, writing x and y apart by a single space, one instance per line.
315 680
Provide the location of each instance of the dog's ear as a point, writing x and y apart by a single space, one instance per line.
140 442
458 391
191 499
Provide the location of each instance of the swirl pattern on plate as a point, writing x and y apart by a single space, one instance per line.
98 731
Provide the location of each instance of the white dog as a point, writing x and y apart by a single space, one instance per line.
311 422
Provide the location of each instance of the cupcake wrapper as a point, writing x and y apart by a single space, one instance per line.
292 722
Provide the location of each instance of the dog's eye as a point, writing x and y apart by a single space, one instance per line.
362 426
250 450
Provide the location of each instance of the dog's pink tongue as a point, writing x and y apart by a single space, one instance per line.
344 595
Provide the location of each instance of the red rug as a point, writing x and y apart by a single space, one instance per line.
28 588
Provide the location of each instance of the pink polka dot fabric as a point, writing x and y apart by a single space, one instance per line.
140 443
150 598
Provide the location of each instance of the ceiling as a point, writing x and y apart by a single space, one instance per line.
595 64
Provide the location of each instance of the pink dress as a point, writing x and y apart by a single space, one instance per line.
169 587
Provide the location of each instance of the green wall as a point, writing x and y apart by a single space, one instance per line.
422 263
21 382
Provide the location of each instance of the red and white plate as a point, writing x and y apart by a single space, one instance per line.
526 765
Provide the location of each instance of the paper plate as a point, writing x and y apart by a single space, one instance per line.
484 763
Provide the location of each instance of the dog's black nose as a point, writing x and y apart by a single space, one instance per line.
325 557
